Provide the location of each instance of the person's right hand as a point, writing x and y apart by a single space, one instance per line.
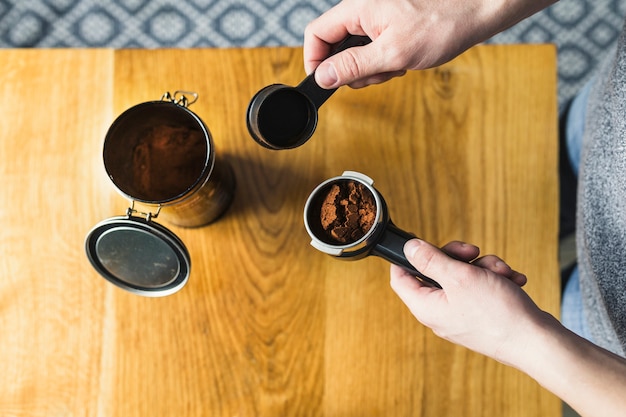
406 34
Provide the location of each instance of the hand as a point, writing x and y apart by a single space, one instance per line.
406 34
480 306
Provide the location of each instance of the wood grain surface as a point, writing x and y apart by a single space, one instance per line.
268 326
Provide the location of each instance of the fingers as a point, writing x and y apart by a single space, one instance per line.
329 29
462 251
442 265
467 252
497 265
359 66
316 50
353 66
377 79
404 283
417 296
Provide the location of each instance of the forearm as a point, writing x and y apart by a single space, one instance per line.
587 377
496 16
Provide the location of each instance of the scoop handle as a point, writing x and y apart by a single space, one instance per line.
309 87
391 247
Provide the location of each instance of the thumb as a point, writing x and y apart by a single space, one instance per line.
434 263
349 66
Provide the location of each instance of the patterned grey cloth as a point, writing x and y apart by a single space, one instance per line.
582 29
156 23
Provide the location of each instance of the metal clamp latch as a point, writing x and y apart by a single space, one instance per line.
180 97
149 216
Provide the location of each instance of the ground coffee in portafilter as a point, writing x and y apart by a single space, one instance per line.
348 212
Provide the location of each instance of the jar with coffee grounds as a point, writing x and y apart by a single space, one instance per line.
160 156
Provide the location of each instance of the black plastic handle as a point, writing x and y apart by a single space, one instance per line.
391 247
309 87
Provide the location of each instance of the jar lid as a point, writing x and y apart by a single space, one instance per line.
138 255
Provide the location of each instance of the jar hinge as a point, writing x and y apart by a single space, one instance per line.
180 97
148 215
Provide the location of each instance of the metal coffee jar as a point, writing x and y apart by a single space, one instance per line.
160 156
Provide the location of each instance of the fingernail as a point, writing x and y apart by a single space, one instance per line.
411 247
326 75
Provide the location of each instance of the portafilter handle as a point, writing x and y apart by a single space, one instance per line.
390 246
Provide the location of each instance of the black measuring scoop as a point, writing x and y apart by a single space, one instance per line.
284 117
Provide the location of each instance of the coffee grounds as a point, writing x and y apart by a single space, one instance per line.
348 212
167 161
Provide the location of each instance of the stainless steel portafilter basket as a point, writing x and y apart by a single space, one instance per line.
379 237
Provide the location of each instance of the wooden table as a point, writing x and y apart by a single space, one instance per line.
268 326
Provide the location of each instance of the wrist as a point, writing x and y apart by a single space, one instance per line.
528 339
537 341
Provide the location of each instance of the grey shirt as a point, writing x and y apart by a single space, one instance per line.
601 218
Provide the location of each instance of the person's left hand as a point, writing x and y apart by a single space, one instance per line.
481 304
